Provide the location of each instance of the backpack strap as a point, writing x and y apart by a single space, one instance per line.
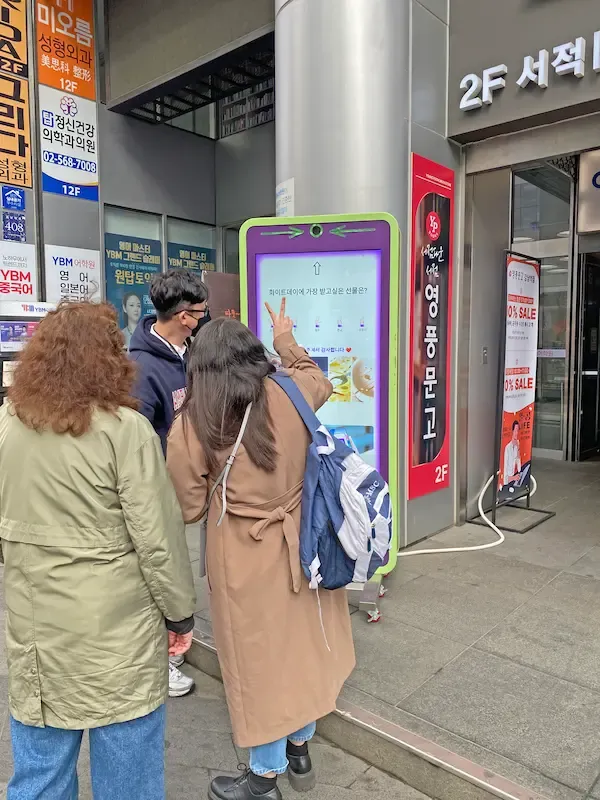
229 463
310 419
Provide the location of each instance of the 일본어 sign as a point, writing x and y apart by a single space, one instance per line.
520 362
72 274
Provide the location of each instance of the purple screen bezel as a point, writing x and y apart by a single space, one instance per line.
377 237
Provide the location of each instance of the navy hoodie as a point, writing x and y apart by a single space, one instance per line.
160 385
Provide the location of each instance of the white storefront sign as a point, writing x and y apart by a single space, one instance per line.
570 58
18 272
69 132
72 274
284 198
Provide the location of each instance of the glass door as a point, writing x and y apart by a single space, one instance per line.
589 413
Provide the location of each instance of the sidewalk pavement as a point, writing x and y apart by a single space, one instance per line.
199 746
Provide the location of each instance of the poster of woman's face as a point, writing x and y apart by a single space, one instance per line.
130 316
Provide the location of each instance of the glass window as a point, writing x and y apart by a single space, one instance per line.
231 245
131 223
202 122
191 245
541 225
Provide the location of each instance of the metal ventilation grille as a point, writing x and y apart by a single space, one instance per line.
217 80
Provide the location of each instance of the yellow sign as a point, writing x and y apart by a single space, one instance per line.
13 37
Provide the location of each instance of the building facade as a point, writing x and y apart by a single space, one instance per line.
139 135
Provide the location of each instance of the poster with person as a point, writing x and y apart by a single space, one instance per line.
131 263
520 362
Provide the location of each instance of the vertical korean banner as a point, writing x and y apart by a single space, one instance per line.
68 114
518 389
430 326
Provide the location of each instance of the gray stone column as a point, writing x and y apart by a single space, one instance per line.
342 93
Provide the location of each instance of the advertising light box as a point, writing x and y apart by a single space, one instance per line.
339 276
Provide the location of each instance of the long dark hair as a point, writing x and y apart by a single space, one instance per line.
226 371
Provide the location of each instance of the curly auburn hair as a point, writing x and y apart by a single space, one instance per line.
74 364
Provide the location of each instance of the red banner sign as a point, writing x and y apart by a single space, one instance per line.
430 326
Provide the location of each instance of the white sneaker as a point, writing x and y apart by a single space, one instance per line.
177 661
179 684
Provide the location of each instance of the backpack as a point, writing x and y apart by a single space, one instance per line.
346 517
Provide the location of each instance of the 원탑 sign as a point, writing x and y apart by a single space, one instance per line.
184 256
570 58
520 364
18 272
69 127
130 264
65 46
13 38
430 326
72 274
14 227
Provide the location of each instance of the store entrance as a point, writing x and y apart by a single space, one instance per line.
589 413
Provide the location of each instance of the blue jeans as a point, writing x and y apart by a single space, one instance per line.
127 760
271 757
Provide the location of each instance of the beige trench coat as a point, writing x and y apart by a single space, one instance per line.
278 673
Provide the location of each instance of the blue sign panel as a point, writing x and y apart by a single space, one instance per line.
130 265
13 226
13 199
185 256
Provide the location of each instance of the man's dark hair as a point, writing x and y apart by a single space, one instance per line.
515 424
176 290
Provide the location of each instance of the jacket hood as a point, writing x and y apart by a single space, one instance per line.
143 340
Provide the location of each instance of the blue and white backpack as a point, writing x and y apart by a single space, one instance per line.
346 522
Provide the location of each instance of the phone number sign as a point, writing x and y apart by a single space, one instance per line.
69 131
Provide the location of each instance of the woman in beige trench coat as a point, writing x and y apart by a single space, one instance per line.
282 670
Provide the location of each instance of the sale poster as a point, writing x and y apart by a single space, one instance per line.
430 326
520 363
72 274
334 300
130 264
18 272
69 131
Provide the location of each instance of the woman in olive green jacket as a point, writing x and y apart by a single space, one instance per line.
97 576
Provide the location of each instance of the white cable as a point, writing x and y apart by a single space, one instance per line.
482 514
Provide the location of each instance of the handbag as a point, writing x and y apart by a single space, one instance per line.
222 479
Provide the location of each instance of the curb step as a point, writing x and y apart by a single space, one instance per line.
420 763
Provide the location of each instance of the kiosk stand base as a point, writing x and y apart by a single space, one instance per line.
366 596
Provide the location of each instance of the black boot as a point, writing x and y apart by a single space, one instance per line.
301 774
247 787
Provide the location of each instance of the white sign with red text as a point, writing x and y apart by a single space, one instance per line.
18 272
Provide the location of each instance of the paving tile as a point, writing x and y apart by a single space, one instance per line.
460 611
393 659
548 725
546 547
556 631
588 565
511 769
484 568
374 782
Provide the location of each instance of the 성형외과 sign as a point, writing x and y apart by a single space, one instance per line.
72 274
69 133
520 365
130 264
65 46
15 133
430 327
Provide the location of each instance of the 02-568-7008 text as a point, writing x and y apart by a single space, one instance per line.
69 161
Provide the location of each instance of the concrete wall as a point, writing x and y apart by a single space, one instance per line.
156 168
427 131
245 175
149 39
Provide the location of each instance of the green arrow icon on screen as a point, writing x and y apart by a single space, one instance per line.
291 232
342 231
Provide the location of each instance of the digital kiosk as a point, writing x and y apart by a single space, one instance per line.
339 275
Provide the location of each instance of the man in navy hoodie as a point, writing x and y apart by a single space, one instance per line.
159 347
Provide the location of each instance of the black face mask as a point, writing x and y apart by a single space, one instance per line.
202 321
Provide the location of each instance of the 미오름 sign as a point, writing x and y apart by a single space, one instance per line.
572 58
